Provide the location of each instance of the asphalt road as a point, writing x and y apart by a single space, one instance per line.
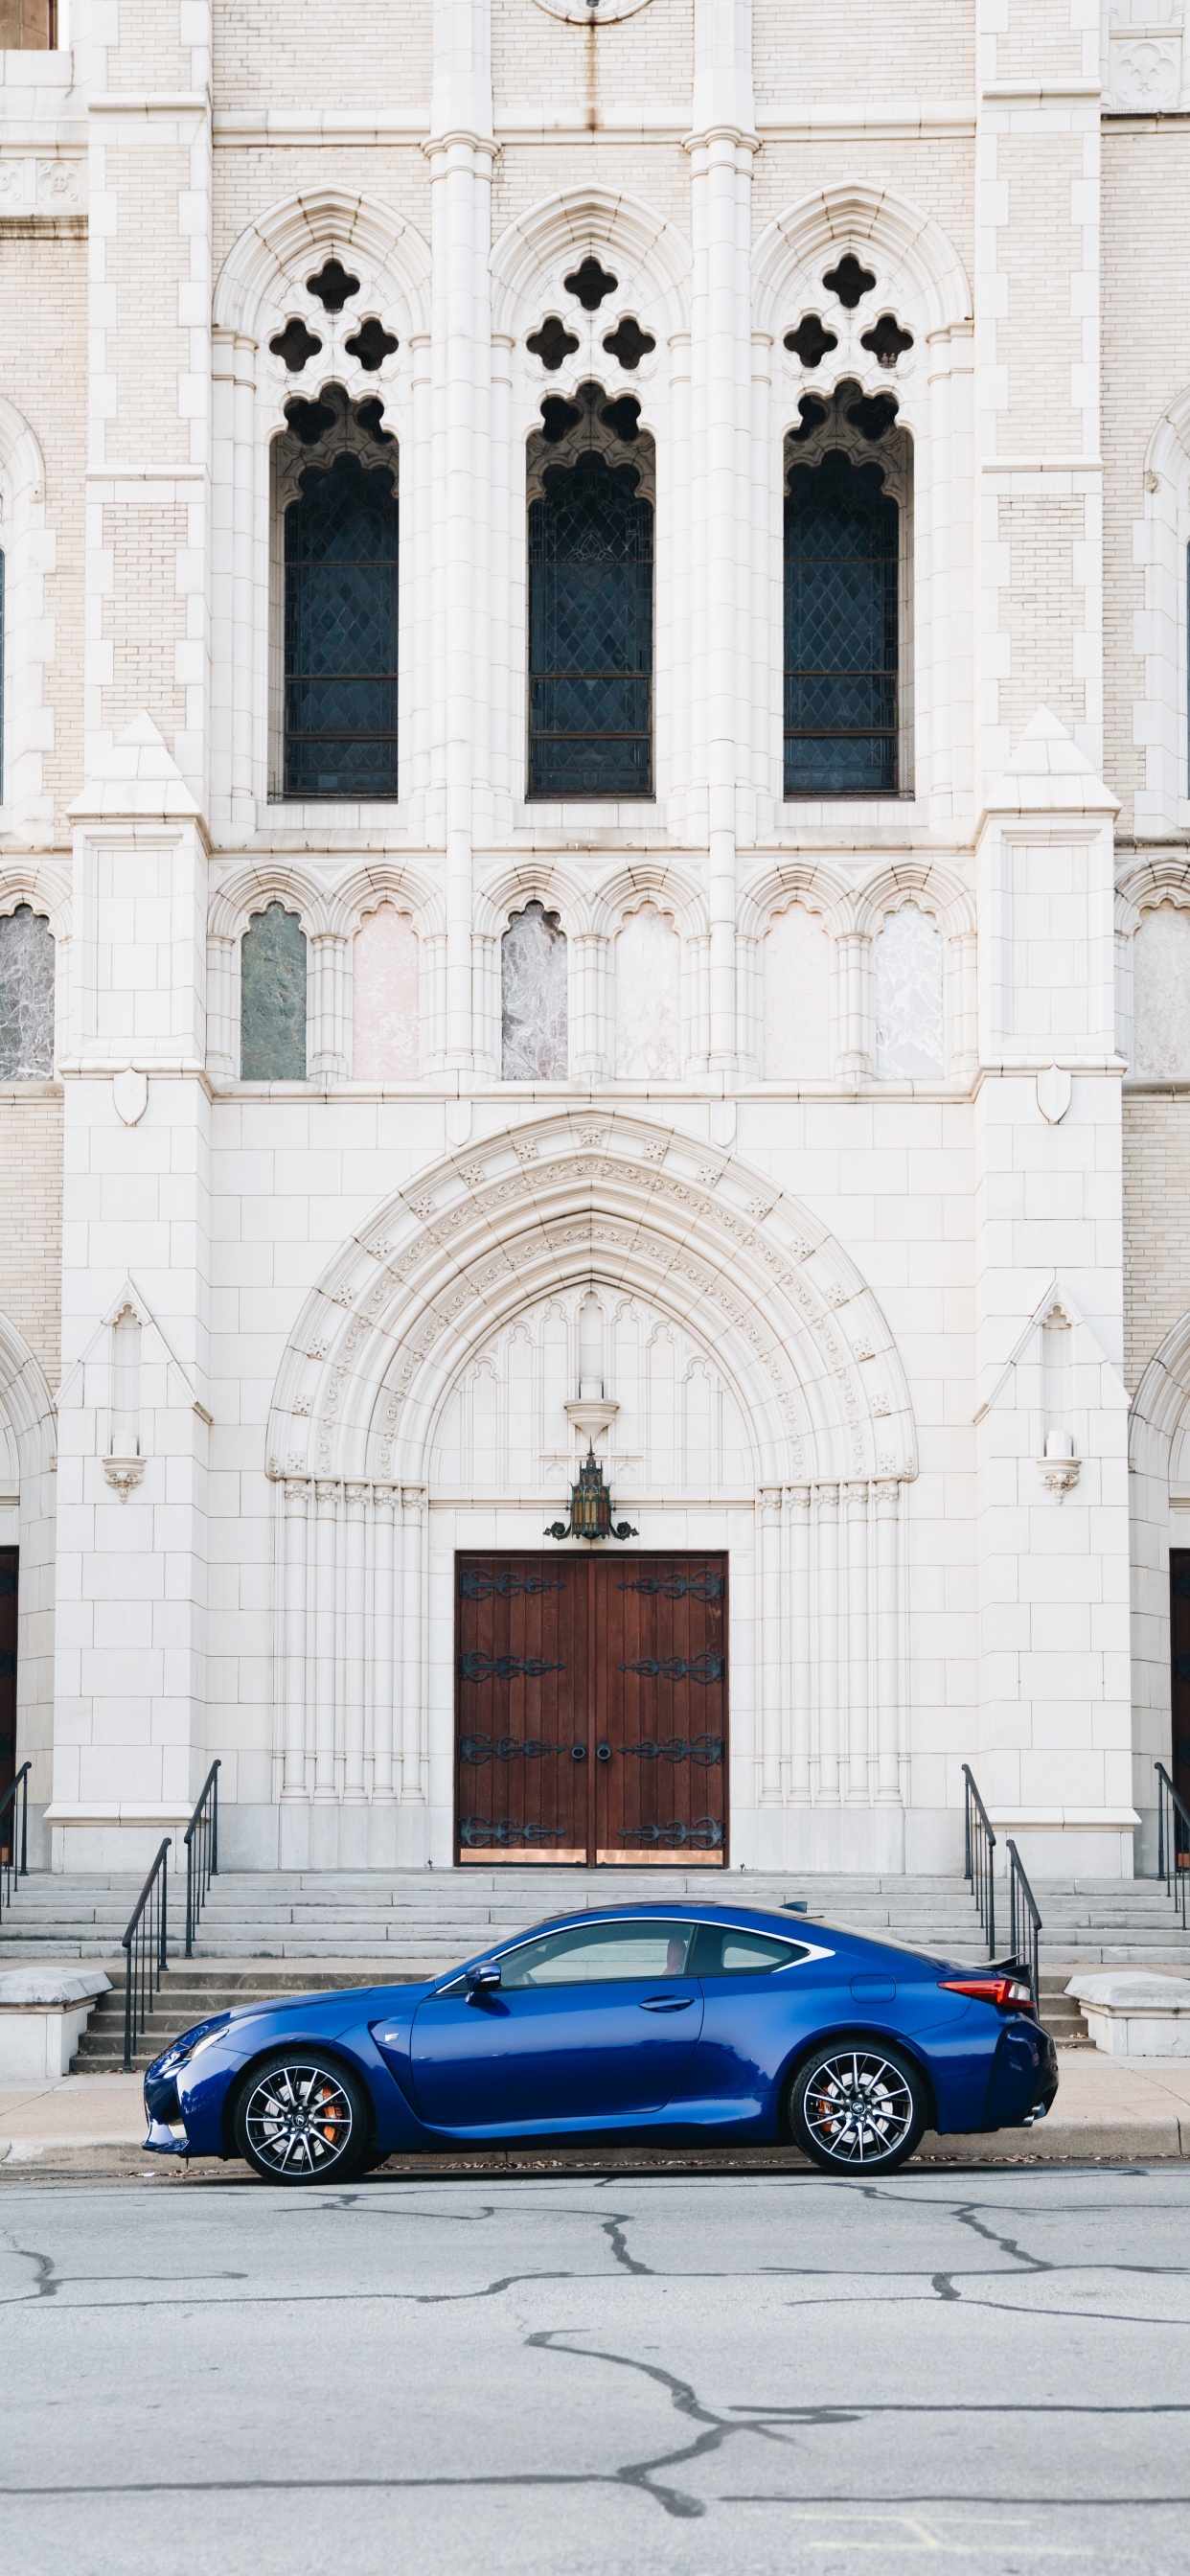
694 2377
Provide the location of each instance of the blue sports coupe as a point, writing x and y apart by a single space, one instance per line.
681 2023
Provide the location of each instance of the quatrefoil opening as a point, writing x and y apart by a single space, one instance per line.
849 281
590 283
332 285
887 341
372 344
295 344
810 341
629 343
552 344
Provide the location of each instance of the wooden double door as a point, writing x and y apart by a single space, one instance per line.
591 1709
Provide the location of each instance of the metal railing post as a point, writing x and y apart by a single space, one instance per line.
1172 1812
144 1947
980 1869
202 1851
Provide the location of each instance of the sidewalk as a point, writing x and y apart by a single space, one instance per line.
88 2127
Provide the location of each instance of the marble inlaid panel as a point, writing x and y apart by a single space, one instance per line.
273 998
533 997
385 1034
1161 995
797 997
648 997
909 1032
26 996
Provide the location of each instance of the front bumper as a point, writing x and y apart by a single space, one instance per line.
167 2128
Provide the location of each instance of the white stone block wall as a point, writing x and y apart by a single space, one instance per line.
899 1605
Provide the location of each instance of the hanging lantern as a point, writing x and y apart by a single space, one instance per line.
591 1507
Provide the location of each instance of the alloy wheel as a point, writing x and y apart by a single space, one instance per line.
298 2120
858 2107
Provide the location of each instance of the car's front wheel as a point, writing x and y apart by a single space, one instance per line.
302 2118
857 2108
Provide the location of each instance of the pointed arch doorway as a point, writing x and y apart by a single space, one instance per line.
591 1698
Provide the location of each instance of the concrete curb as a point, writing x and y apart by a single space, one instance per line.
1053 2142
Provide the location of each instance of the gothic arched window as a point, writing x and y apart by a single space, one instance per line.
337 486
26 995
844 605
590 602
273 997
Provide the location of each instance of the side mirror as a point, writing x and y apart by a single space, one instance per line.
481 1981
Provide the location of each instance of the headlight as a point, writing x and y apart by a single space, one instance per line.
180 2051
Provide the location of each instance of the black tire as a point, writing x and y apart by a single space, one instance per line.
302 2117
857 2106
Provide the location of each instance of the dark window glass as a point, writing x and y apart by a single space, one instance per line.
341 634
599 1954
590 634
722 1951
841 641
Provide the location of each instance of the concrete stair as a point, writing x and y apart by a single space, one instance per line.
189 1993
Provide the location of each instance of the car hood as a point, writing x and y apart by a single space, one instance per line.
361 2003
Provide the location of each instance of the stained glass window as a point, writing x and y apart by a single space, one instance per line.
26 996
341 634
590 634
273 998
841 631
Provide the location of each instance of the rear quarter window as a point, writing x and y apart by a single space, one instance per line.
721 1951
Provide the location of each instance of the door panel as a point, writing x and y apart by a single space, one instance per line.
521 1690
661 1710
594 2022
591 1709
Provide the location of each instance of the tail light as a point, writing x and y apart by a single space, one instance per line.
1008 1994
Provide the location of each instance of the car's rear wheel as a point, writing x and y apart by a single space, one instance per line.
302 2118
857 2107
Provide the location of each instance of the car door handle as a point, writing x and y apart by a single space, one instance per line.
667 2003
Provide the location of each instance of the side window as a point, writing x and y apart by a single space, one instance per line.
648 996
722 1951
847 662
335 585
590 599
1161 995
26 996
797 996
273 998
598 1954
909 1023
533 1010
385 1029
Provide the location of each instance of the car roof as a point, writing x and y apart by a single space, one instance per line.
683 1910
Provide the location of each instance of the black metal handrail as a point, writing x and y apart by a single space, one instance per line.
1173 1840
1024 1920
10 1867
143 1945
979 1844
202 1852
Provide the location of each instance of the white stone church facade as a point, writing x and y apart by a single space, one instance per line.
734 985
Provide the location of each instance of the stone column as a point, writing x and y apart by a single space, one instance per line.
768 1660
384 1630
297 1498
413 1790
1053 1752
721 145
461 150
827 1644
326 1527
800 1644
130 1725
355 1643
857 1642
